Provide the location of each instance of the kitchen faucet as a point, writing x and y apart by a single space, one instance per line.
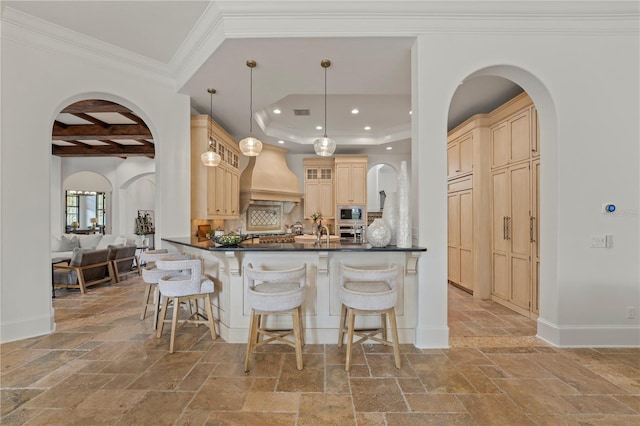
320 228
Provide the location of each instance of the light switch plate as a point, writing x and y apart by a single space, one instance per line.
598 241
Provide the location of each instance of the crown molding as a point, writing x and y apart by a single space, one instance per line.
31 31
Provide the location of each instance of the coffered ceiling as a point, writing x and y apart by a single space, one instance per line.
370 74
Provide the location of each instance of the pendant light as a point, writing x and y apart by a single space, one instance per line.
211 158
250 146
325 146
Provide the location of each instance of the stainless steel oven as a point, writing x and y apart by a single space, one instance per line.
352 233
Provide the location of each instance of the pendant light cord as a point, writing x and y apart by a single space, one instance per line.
251 102
325 102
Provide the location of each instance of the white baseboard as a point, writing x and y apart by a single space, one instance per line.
31 327
432 338
578 336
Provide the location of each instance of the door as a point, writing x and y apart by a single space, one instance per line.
535 238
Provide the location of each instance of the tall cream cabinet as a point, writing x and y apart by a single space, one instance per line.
468 198
493 168
214 190
515 177
319 187
351 180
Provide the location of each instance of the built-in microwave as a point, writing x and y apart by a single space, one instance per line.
350 214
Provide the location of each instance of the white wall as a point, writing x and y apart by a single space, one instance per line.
32 95
582 74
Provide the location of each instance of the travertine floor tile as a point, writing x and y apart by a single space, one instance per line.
105 366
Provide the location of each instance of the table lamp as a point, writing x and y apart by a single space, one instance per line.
94 221
74 224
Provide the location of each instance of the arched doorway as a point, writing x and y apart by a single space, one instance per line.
494 198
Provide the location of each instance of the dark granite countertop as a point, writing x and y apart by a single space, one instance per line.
206 244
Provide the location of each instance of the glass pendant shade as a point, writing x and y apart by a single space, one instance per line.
250 146
324 146
210 158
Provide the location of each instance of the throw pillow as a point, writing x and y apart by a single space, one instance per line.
120 241
89 241
68 244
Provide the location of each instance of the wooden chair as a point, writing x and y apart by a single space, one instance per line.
123 261
86 268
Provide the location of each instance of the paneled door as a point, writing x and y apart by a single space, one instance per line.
511 240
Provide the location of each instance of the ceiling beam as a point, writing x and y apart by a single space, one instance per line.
102 151
94 105
59 123
133 117
91 119
146 142
92 131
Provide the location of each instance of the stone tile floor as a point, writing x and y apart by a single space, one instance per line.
104 366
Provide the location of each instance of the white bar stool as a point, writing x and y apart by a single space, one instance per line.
368 291
275 292
151 275
189 285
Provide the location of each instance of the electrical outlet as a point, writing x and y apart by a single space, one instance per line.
631 312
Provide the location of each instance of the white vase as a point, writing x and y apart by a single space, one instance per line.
403 230
390 215
378 233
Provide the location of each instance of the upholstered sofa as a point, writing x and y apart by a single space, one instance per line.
62 246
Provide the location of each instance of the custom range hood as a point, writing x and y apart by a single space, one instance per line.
267 177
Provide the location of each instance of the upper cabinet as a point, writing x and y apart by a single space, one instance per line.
318 187
214 190
460 156
351 180
511 137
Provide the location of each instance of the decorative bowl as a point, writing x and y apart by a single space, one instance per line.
228 240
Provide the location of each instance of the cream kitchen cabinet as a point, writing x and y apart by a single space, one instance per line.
511 236
460 234
460 156
214 190
511 137
319 187
351 180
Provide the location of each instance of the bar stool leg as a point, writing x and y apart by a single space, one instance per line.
394 331
145 301
251 340
297 334
163 315
343 318
352 321
174 322
212 326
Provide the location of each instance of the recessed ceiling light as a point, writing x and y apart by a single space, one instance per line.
281 141
318 127
355 111
410 112
276 111
389 148
367 127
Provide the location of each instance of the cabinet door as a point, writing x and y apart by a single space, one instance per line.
499 242
453 159
466 240
359 184
326 204
219 190
212 207
520 138
535 237
535 128
466 154
518 233
342 186
235 195
312 197
500 144
453 237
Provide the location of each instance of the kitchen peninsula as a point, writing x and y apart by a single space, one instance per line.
322 306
